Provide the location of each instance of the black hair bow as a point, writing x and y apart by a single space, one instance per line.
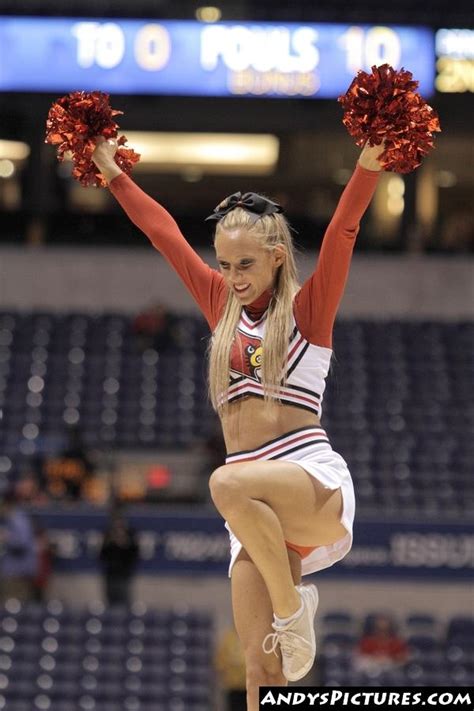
251 202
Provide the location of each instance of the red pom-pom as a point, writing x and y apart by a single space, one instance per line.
384 106
73 122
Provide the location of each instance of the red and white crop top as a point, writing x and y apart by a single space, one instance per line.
306 368
314 306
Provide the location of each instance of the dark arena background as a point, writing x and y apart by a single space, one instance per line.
107 439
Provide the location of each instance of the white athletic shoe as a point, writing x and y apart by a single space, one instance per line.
296 639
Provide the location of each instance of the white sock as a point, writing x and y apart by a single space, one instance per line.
283 621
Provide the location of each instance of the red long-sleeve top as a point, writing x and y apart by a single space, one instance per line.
315 304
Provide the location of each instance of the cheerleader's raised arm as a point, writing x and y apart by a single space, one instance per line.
317 302
204 283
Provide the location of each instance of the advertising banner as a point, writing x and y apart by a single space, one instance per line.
174 542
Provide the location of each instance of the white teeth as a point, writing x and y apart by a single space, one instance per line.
242 288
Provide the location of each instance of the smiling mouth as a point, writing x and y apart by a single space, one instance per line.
241 289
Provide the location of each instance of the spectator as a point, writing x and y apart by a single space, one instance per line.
67 473
45 554
29 491
154 328
119 557
230 666
19 558
380 647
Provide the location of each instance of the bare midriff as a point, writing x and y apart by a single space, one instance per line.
250 422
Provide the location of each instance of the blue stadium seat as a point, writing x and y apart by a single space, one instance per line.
397 406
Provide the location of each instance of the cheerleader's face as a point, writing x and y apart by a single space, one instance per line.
247 268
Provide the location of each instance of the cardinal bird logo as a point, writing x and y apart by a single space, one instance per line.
247 356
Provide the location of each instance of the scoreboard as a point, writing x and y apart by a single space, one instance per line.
188 58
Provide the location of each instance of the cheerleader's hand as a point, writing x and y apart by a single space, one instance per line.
369 158
104 157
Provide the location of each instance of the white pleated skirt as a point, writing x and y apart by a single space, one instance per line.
310 448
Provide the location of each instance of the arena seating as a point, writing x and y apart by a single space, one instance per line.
53 658
57 659
398 405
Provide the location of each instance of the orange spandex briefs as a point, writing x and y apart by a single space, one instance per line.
302 551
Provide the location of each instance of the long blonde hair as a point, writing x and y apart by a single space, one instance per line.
268 231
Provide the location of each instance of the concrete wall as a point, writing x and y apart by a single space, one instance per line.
213 593
403 286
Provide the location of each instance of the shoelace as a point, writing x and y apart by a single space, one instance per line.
288 641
